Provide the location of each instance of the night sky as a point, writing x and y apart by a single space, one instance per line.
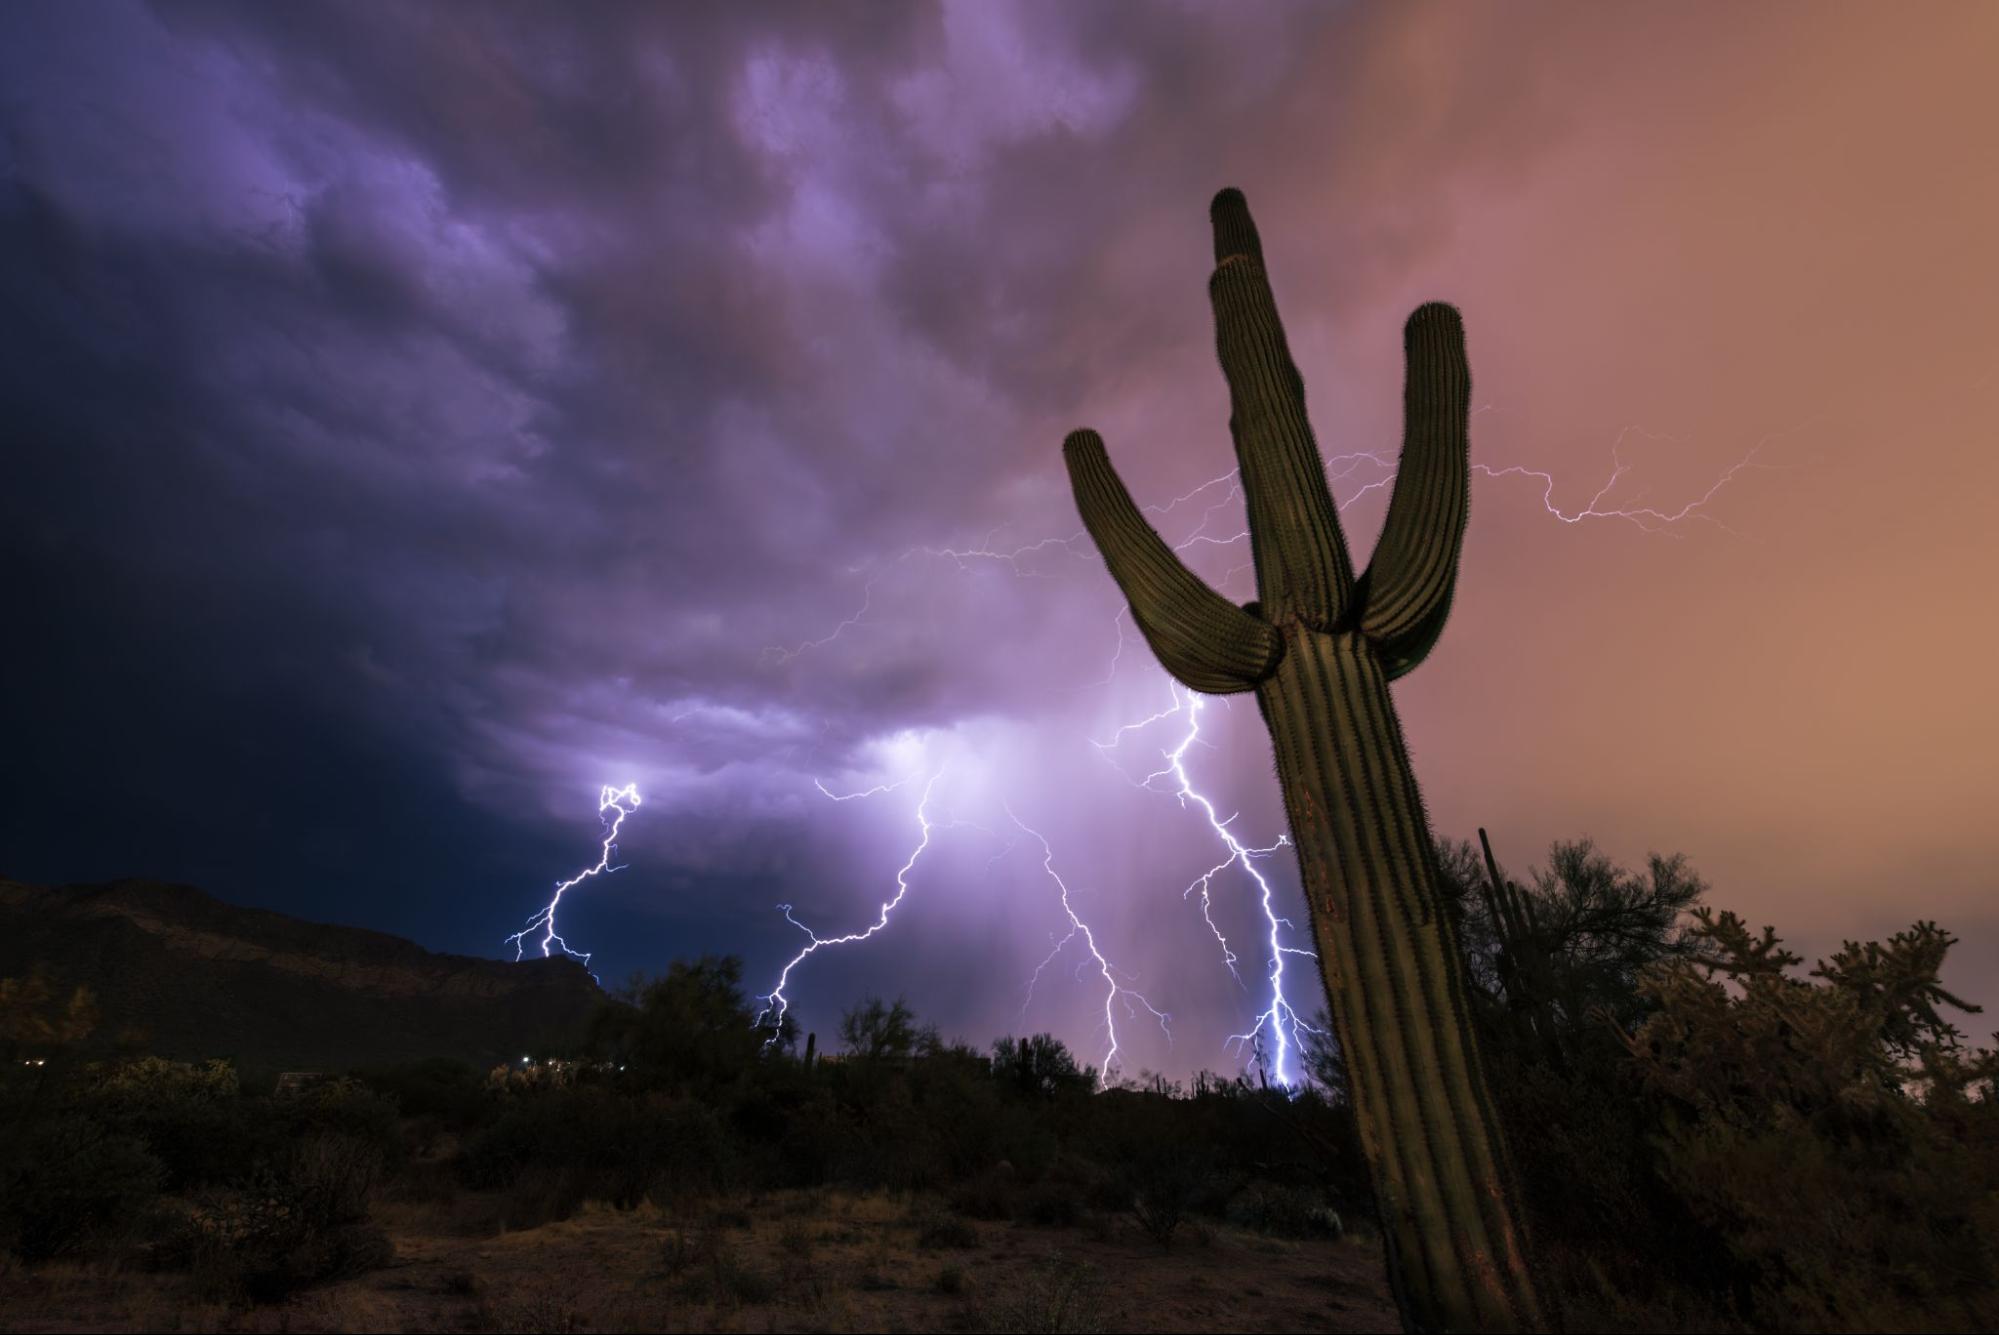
413 419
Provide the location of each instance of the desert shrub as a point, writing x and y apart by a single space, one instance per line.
330 1175
884 1031
193 1119
1285 1211
70 1180
1836 1135
890 1142
1162 1188
1039 1067
692 1151
298 1221
807 1153
1027 1143
592 1143
532 1129
1604 1219
969 1126
342 1108
448 1092
1553 967
689 1030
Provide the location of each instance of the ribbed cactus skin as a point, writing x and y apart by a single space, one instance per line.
1319 647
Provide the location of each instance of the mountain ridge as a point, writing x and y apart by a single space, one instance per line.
197 977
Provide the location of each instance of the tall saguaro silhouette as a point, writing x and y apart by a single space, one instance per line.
1319 647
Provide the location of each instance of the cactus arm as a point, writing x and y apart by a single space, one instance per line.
1303 572
1202 638
1406 593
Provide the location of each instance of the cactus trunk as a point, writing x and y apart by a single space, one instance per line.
1394 979
1320 648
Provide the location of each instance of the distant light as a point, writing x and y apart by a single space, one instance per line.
527 1061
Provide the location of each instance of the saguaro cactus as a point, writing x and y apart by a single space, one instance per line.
1319 648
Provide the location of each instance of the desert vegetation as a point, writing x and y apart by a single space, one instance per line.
1705 1138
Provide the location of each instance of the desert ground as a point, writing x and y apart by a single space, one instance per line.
783 1261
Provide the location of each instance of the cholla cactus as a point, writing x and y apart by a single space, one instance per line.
1319 648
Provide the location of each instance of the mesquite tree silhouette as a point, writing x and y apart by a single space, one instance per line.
1319 647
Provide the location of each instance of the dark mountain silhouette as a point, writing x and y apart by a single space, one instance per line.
181 974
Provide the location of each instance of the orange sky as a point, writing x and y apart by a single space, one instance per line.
1713 227
1778 225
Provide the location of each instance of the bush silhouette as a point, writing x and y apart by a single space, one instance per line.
1837 1135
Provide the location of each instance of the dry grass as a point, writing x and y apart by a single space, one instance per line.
790 1261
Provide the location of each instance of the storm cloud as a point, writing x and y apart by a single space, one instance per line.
414 417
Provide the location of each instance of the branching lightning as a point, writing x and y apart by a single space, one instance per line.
1275 1037
624 801
1114 991
1340 469
776 1003
1648 518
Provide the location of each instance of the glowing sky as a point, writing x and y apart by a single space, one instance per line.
412 420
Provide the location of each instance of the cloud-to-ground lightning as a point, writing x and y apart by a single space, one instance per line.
624 801
1278 1024
1114 991
775 1002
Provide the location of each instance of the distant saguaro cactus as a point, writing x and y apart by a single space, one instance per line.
1319 648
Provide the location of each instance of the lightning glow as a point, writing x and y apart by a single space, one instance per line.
1114 991
624 801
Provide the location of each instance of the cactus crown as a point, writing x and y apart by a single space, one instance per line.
1303 574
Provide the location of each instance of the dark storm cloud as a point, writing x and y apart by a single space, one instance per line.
500 387
417 415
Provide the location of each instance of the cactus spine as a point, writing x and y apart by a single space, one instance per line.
1319 648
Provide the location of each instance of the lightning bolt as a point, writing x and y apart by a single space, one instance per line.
1648 519
775 1002
1113 989
1340 468
870 792
1278 1025
624 801
778 654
